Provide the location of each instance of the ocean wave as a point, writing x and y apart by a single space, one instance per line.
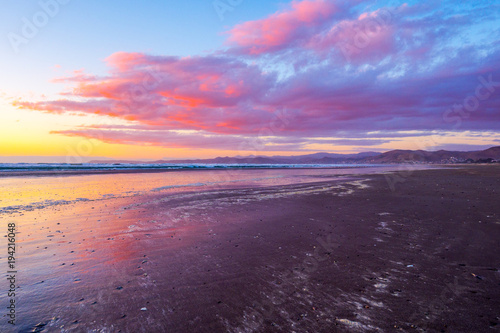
13 167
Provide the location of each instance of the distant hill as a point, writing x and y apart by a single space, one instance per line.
440 156
317 158
391 157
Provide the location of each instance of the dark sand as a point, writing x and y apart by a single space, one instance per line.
324 257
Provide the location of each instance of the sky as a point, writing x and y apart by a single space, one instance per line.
196 79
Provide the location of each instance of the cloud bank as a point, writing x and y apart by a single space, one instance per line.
311 73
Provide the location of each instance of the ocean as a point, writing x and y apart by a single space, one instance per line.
25 186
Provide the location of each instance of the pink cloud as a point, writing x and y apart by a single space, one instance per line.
177 93
222 95
124 60
281 29
367 38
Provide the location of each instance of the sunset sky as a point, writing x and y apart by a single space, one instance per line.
194 79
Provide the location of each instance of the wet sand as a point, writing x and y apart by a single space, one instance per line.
411 251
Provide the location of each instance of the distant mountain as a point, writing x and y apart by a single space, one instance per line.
317 158
440 156
391 157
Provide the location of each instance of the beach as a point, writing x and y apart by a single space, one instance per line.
392 250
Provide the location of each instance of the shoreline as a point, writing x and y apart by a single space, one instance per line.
40 173
52 173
